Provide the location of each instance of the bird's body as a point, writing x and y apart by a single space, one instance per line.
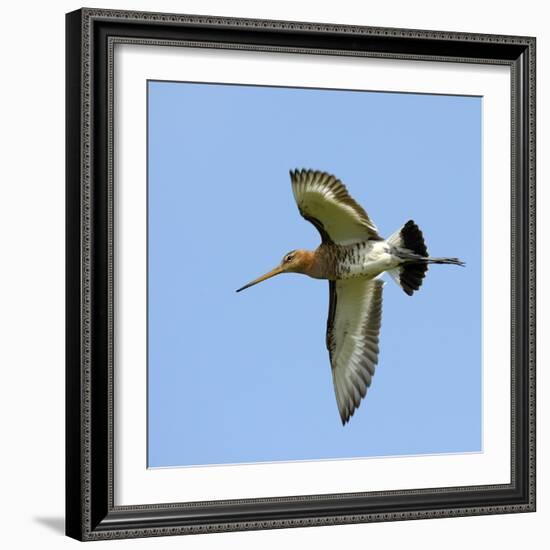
365 259
352 256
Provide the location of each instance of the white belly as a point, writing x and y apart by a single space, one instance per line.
371 261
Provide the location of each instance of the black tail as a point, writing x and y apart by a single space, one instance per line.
411 273
412 239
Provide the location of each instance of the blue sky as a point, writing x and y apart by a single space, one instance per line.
246 377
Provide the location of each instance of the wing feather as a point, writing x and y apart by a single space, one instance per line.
353 329
324 201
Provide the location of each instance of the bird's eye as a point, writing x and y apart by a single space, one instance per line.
289 258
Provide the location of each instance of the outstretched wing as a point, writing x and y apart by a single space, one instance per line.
353 328
324 201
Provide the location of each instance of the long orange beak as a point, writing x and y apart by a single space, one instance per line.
268 275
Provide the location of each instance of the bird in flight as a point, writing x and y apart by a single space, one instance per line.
352 255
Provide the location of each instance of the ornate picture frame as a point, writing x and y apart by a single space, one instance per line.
92 511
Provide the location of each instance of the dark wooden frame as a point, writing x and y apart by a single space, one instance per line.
90 511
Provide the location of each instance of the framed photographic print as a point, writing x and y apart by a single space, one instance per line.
370 195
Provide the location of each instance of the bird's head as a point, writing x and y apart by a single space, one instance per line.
295 261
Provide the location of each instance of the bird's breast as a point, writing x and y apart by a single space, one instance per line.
365 259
